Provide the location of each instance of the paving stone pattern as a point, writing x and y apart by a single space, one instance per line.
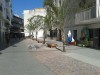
60 64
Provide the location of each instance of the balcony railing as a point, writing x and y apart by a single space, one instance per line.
85 15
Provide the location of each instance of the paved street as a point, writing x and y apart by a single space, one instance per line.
68 63
50 37
17 60
87 55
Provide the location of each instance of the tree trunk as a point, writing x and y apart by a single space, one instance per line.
44 36
36 35
51 34
57 38
63 41
32 35
59 35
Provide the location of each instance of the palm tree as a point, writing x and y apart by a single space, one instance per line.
51 13
65 11
47 25
58 17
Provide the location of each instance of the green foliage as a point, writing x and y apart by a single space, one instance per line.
50 4
84 4
57 15
85 42
47 21
30 27
37 21
52 13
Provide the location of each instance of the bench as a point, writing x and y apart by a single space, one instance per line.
51 45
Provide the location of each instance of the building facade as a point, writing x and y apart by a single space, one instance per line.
30 13
83 20
5 18
17 28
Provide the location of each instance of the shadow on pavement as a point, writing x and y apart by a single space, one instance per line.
0 53
14 46
12 43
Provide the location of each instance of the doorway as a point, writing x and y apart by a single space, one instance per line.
99 38
75 35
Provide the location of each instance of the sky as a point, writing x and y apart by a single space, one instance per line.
19 5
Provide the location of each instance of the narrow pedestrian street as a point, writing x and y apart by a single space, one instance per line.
17 60
50 37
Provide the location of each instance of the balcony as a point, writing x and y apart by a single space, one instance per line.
85 15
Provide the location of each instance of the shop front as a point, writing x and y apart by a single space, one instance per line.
94 37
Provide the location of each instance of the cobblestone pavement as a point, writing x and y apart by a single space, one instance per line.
61 64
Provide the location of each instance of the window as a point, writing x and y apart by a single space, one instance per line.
0 7
75 34
96 32
91 33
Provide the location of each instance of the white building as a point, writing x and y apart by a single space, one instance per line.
30 13
84 18
5 18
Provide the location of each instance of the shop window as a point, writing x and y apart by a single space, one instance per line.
75 34
91 33
96 32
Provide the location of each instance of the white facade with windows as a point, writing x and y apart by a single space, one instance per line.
30 13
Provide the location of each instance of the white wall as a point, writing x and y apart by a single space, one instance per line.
30 13
39 35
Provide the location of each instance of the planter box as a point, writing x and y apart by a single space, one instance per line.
40 41
51 45
73 43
